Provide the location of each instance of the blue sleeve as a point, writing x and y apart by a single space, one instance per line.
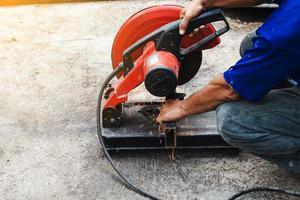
262 68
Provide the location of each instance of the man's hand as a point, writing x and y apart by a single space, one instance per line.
196 7
172 110
207 99
188 13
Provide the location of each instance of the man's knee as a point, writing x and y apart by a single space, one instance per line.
225 123
247 130
224 113
235 124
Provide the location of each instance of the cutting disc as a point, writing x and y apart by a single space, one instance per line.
146 21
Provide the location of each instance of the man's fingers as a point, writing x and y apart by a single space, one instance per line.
188 14
196 30
161 128
184 23
160 124
158 119
182 13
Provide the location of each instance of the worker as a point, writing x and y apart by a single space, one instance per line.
251 114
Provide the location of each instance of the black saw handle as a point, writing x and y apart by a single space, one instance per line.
167 38
171 33
207 17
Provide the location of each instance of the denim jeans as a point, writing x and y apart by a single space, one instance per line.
269 128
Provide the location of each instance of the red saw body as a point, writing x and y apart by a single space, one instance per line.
146 21
149 49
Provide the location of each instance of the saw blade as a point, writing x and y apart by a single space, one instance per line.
145 22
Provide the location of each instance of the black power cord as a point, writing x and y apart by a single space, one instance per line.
100 136
264 189
137 189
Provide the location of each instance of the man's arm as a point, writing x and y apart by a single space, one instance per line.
207 99
198 6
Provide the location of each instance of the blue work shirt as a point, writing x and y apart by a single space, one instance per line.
274 57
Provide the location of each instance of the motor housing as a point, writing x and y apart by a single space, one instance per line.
161 70
157 54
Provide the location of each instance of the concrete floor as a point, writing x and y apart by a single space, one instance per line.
53 61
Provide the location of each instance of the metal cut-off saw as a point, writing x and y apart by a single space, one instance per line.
149 50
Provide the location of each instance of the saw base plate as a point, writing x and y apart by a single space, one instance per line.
140 132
